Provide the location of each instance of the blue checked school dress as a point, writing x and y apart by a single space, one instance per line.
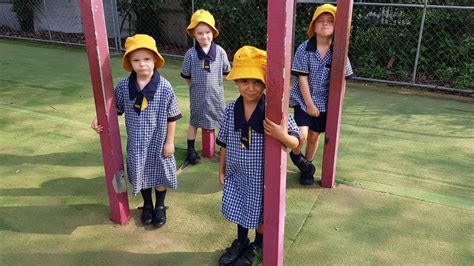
146 129
242 200
307 62
206 91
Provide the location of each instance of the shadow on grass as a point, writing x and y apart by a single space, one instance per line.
66 186
57 219
59 158
114 258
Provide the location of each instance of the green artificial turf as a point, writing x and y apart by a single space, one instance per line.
403 193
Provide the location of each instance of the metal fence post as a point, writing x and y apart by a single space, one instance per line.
113 7
47 20
420 37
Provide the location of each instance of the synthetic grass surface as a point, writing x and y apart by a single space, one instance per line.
404 193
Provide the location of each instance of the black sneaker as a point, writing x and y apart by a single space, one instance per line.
159 216
307 175
147 214
252 254
306 168
295 158
193 157
232 253
301 162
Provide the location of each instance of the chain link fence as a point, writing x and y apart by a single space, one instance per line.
425 43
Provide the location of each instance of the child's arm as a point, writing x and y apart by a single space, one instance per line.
95 126
304 88
168 149
280 132
222 165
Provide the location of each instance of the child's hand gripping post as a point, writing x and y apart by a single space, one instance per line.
280 132
95 126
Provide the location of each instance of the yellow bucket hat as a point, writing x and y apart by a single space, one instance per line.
326 8
202 16
140 41
249 63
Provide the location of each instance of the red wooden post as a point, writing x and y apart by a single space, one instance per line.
208 143
280 34
336 91
99 62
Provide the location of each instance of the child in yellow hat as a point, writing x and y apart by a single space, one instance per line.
309 95
241 163
204 68
151 110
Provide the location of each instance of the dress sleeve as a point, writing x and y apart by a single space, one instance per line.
293 129
225 63
300 64
172 107
349 71
186 67
224 127
119 97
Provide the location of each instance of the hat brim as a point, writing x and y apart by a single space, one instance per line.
237 73
126 63
194 24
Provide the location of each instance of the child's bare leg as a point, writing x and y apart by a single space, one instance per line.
312 145
192 132
303 136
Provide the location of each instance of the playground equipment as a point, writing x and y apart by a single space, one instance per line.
280 31
99 62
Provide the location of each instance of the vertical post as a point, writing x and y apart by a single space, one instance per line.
208 143
279 43
420 37
115 23
46 16
99 62
337 86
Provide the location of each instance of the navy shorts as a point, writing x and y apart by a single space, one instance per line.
316 124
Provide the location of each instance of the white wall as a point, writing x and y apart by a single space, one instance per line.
8 17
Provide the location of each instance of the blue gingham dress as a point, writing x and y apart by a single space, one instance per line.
242 199
146 165
308 62
206 90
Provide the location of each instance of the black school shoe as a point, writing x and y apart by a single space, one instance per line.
249 256
307 176
193 157
159 216
306 168
233 252
147 214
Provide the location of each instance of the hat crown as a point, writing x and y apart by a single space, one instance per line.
326 8
202 15
251 57
143 40
249 63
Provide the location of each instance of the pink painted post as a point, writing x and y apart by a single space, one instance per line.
99 62
280 33
336 91
208 143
